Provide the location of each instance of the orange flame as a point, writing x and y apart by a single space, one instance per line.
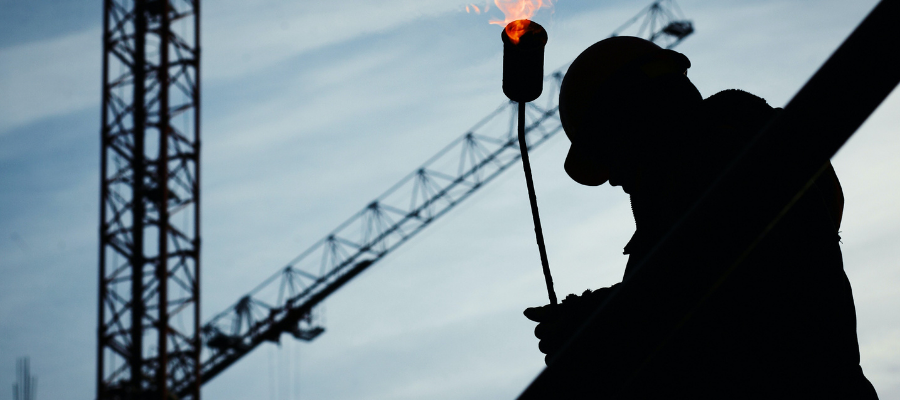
516 10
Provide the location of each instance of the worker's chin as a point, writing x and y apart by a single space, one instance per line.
626 184
616 182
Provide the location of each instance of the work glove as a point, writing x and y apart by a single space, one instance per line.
558 323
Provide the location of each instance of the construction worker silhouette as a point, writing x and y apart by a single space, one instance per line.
782 325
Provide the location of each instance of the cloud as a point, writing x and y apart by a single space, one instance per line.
62 74
50 77
242 37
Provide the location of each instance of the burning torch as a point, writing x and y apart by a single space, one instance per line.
523 81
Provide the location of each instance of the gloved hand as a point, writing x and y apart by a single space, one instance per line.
557 324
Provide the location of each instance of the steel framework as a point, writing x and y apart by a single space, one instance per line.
149 315
663 23
25 387
284 303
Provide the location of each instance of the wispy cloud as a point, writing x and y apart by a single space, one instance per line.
246 36
50 77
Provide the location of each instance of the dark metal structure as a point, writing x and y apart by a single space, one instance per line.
25 387
149 301
663 23
285 302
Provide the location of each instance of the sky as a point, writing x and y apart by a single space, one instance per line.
312 109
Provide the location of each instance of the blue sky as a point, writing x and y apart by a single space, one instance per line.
310 110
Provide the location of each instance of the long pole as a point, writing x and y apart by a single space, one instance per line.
538 233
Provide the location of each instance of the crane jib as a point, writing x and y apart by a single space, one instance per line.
287 298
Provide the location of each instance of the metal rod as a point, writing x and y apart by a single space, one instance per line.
538 233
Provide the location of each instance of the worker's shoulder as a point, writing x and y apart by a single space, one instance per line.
736 109
736 104
737 97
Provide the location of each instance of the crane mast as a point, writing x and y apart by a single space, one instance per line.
284 303
149 294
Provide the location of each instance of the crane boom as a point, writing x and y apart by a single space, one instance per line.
284 302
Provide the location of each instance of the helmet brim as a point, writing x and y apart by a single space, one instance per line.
584 171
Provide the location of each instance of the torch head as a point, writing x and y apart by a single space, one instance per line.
523 60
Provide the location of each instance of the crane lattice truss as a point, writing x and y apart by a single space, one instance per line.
663 23
284 303
148 334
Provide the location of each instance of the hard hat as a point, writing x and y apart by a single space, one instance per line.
607 68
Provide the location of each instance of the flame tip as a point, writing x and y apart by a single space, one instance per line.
516 10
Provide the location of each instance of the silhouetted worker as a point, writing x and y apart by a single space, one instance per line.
781 325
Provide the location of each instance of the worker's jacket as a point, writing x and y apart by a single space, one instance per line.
780 324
